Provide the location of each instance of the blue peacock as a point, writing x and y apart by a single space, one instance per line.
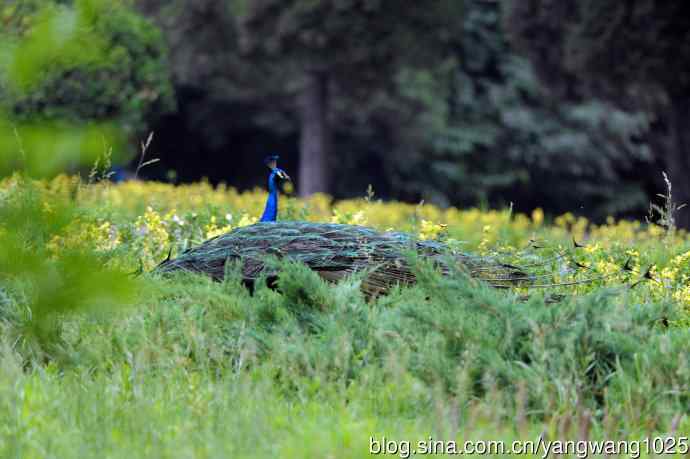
334 251
271 211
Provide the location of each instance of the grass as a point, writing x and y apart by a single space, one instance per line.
193 368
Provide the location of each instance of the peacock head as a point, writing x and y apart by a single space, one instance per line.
272 163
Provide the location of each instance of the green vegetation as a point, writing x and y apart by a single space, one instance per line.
635 55
202 369
505 105
101 358
52 54
190 367
74 77
499 113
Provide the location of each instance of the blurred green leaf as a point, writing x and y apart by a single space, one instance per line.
48 62
61 38
42 149
52 284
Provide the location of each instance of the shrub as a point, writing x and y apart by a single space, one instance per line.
111 65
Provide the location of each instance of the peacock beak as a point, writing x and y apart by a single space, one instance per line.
284 176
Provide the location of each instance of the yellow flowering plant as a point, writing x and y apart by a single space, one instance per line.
147 221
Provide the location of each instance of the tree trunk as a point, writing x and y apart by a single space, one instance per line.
314 135
678 160
671 142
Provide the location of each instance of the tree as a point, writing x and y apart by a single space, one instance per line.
343 52
127 80
634 53
507 140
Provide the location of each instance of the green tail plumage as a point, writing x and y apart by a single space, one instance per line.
334 251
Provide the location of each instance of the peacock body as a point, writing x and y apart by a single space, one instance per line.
333 251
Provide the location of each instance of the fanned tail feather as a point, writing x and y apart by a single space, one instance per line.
335 251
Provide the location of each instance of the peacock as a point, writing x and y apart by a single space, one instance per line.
271 211
334 251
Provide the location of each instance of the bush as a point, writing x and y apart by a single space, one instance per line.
50 77
197 366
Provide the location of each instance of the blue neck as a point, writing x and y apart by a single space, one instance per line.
271 211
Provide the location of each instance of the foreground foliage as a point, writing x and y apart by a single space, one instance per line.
193 367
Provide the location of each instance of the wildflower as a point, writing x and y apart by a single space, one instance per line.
349 218
213 230
431 230
538 216
246 220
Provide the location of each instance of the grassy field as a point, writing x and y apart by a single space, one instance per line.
98 363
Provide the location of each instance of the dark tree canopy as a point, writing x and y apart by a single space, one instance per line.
508 140
349 49
617 48
569 106
363 43
467 123
634 53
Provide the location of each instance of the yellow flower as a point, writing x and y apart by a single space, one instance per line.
213 229
349 218
431 230
216 231
152 237
246 220
537 216
81 235
682 296
562 221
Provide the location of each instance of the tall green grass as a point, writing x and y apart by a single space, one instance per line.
204 369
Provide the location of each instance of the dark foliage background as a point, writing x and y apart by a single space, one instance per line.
569 106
